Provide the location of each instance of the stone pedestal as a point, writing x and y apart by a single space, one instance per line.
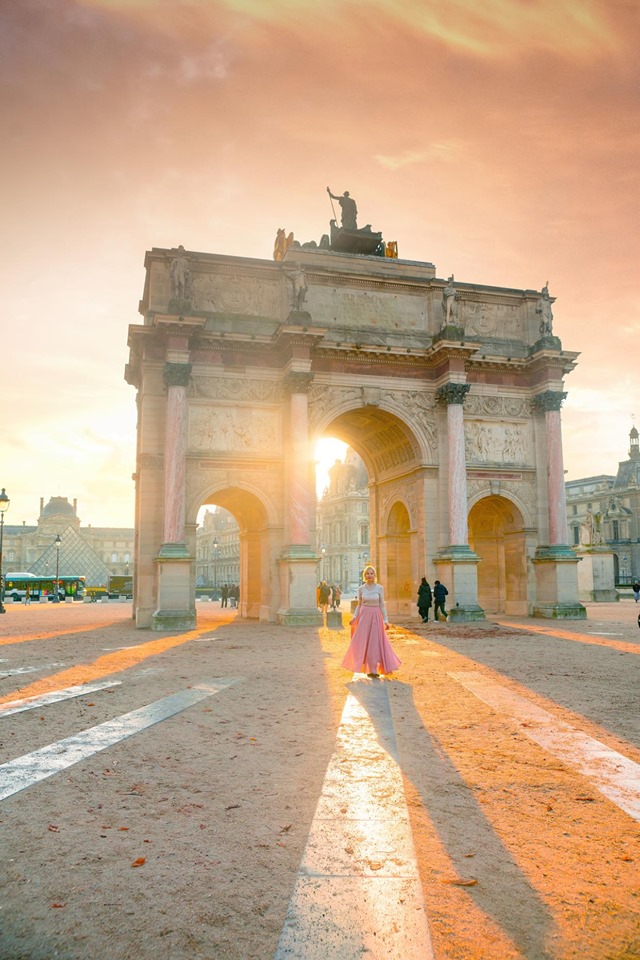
458 570
596 575
557 584
298 574
175 611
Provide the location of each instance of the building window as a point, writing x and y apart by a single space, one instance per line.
616 530
114 558
575 509
364 534
576 535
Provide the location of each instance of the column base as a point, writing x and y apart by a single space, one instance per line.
173 551
465 613
559 611
173 620
304 617
176 600
463 582
557 584
596 577
298 576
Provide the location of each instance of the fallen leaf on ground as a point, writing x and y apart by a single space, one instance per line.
139 862
53 828
57 905
461 883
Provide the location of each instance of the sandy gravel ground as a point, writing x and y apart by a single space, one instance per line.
184 840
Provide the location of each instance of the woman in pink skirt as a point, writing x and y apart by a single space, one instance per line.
370 651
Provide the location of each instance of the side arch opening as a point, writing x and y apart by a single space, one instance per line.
496 534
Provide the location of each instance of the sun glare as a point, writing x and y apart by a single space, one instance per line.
327 451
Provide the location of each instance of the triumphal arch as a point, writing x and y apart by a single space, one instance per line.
449 390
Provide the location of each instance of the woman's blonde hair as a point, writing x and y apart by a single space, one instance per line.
369 566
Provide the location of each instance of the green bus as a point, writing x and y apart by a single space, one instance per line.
16 586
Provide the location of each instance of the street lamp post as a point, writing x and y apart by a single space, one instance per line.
57 542
4 506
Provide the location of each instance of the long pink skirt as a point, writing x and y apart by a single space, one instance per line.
370 650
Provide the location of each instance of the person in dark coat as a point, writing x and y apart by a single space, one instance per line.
424 599
439 593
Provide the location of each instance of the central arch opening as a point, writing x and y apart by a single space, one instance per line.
368 509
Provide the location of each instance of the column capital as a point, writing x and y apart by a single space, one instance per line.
297 381
452 393
549 400
177 374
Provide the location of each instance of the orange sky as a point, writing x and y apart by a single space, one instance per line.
499 140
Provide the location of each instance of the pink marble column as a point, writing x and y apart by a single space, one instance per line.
175 451
453 395
299 459
551 402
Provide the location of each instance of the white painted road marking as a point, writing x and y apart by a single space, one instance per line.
358 890
30 703
613 774
18 671
33 767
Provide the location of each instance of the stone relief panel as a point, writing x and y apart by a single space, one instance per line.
496 442
500 320
221 293
236 388
234 430
478 406
370 309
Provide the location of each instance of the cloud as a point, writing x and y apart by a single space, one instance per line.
443 151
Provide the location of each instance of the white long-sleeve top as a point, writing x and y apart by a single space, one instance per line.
371 596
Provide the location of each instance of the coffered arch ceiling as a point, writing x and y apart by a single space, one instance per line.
386 444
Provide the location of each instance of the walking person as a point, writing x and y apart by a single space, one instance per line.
439 593
425 599
224 595
636 590
336 594
370 651
325 593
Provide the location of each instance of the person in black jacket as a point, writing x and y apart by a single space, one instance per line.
424 599
439 593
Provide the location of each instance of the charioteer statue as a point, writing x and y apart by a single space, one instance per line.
348 238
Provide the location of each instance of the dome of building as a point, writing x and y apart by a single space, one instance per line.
58 506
